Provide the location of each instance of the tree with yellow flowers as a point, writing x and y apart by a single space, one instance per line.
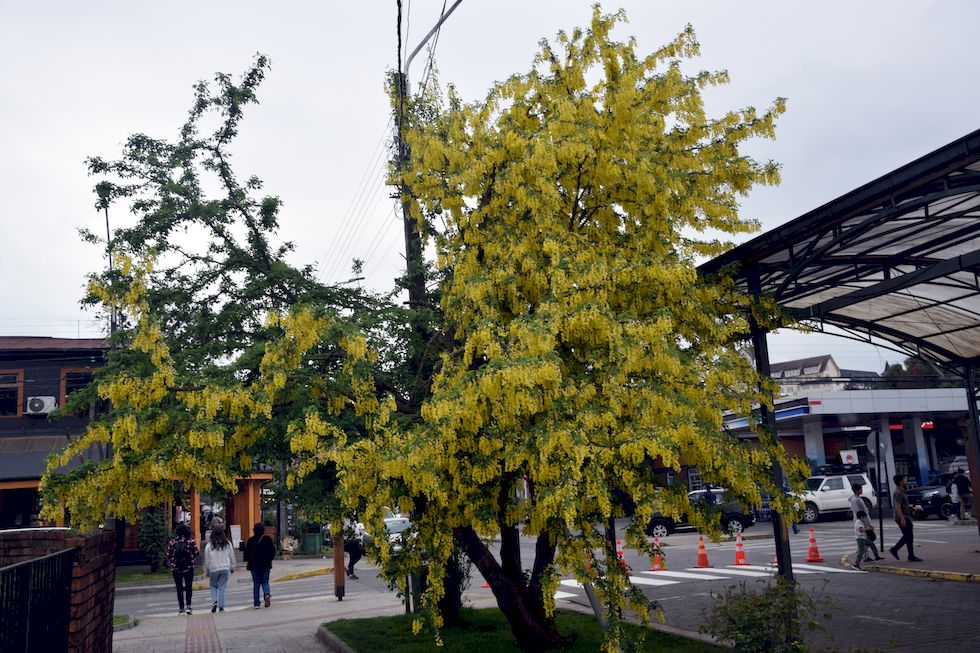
577 198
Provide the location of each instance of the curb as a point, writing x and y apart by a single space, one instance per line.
935 574
126 626
332 642
303 574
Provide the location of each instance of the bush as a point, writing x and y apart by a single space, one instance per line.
153 537
771 620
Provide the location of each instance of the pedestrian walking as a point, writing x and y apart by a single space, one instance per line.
965 489
954 498
259 552
860 534
858 505
903 516
182 555
353 545
219 564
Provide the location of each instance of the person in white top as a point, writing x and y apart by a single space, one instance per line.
862 541
219 563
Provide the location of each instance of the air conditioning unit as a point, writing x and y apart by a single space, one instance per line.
41 405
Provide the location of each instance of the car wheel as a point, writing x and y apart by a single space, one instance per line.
810 513
947 510
659 529
733 526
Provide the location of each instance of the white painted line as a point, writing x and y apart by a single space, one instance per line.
684 574
835 570
571 582
772 569
565 595
639 580
741 572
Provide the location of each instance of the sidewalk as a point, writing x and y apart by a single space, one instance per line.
285 627
955 559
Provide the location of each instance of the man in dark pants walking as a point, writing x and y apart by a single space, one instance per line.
903 515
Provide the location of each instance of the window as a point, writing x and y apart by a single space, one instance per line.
11 393
834 484
858 480
72 380
813 369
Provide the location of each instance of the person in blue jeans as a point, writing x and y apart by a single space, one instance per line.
259 552
219 563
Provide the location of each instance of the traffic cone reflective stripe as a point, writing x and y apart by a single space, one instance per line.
813 553
740 558
702 554
657 561
619 556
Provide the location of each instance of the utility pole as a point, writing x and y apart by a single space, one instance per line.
415 276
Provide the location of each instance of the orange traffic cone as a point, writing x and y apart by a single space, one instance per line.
813 553
775 559
619 556
739 551
485 585
702 554
657 561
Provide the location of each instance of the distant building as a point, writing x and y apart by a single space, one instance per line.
819 374
36 376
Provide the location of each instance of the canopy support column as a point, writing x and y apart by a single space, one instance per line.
972 433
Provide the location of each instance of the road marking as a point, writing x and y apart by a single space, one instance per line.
684 574
746 572
565 595
636 580
773 569
835 570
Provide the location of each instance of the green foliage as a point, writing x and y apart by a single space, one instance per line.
153 536
774 619
486 631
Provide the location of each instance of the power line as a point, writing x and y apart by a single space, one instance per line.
356 224
330 259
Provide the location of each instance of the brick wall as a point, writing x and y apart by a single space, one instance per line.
93 580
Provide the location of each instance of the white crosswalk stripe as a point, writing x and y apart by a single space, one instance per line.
694 574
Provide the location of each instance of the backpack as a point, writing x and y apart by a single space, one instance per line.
182 555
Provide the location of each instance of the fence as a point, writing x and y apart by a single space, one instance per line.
34 602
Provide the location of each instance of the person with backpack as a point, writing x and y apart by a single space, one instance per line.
182 555
219 564
965 491
259 552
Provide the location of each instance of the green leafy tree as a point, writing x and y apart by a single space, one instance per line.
583 344
199 318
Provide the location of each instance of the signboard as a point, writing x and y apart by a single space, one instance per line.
236 534
849 456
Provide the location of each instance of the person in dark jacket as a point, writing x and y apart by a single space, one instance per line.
182 555
259 552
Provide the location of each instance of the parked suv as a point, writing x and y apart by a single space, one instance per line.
831 493
734 519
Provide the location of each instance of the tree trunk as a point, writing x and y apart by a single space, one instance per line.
452 599
521 601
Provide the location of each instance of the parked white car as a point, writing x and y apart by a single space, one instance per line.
831 493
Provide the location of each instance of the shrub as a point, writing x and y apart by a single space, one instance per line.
772 620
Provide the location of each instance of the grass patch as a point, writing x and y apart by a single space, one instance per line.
486 630
120 619
143 575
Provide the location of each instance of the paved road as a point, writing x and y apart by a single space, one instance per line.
876 611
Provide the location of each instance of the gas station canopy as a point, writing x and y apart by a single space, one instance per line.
897 259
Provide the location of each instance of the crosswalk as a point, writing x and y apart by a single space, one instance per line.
696 574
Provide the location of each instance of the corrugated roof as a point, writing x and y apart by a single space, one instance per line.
44 343
897 259
801 363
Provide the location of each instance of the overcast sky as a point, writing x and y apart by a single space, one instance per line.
871 85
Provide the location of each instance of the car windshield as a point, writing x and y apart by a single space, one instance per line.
813 483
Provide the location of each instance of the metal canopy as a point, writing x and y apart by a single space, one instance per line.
897 259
